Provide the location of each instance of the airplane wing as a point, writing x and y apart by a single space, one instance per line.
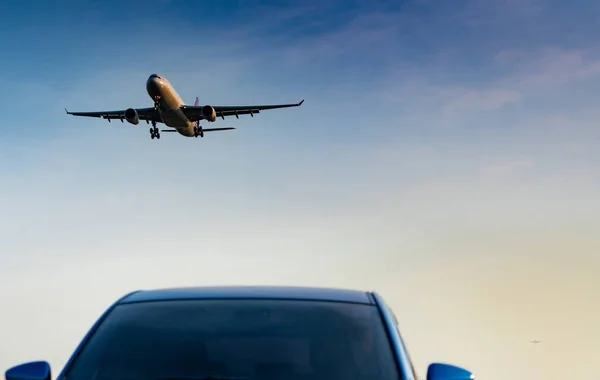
148 114
194 113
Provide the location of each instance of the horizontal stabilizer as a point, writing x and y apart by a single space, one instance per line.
216 129
203 129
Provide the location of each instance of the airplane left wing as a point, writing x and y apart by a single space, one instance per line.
195 113
149 114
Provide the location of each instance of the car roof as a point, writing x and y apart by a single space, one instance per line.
250 292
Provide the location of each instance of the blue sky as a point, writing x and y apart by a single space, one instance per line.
446 155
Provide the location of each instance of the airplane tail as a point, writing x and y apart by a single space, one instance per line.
196 105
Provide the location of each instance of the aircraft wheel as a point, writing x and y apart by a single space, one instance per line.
158 135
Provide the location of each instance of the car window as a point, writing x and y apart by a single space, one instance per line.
255 339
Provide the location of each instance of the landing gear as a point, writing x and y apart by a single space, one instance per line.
154 132
156 102
198 131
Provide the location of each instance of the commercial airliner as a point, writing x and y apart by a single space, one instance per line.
170 110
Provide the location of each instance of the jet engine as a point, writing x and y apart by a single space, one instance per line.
209 113
132 116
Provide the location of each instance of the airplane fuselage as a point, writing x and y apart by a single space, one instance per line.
169 105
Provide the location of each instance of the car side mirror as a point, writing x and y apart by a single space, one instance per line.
441 371
39 370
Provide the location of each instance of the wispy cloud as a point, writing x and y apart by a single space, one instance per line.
486 13
366 33
483 100
521 76
506 170
551 66
496 65
446 99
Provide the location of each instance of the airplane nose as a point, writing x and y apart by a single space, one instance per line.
152 85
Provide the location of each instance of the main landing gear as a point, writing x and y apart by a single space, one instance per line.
198 131
154 132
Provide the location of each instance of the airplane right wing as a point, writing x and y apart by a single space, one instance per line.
148 114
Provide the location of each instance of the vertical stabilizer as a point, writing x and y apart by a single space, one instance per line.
196 105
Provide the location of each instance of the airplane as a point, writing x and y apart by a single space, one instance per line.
171 110
535 341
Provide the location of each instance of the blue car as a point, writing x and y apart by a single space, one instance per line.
243 333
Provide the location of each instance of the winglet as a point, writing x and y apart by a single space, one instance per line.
302 101
67 111
196 102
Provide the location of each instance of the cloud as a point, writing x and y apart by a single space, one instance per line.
364 33
515 76
506 170
449 100
496 12
550 66
476 61
482 100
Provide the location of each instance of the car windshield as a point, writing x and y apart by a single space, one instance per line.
253 339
